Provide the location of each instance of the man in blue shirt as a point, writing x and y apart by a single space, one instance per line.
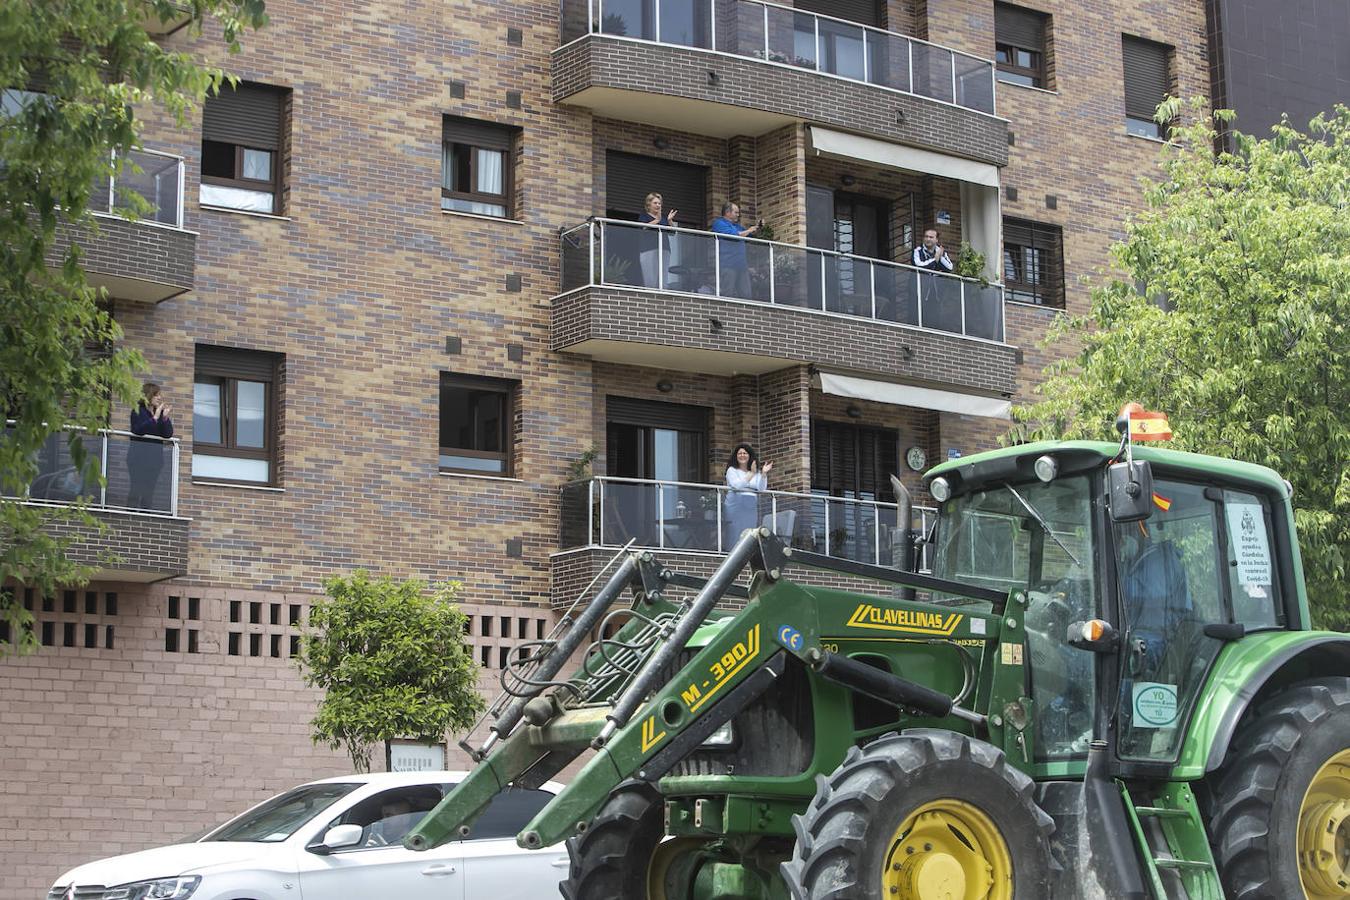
734 270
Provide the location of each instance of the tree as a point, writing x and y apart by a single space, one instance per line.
392 662
1234 318
73 73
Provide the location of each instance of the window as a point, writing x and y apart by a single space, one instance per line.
241 148
1147 81
509 812
1033 263
476 167
476 424
389 815
1019 45
234 415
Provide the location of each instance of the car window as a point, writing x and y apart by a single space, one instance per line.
508 814
387 816
278 818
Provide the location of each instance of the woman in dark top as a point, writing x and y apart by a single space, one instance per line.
145 456
648 260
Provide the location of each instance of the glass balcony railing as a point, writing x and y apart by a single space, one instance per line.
679 516
140 474
684 261
790 37
159 182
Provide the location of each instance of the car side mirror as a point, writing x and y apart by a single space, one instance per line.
1130 489
339 837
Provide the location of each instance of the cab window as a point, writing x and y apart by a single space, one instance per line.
1251 567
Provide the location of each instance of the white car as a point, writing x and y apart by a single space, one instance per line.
338 839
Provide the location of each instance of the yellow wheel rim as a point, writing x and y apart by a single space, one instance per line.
1324 831
947 850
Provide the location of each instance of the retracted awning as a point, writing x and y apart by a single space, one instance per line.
825 142
910 395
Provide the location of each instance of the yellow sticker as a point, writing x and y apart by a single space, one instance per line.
914 621
1011 654
650 737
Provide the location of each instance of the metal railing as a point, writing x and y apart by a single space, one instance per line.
679 260
781 35
706 518
139 473
159 182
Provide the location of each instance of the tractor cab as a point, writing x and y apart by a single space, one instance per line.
1171 555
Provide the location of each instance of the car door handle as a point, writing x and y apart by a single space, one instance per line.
438 870
560 863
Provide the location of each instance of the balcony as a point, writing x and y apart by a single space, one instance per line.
687 523
147 260
144 538
729 67
695 301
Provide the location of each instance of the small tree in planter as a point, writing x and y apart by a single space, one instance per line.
392 662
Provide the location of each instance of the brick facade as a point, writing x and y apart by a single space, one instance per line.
138 547
133 260
369 291
613 64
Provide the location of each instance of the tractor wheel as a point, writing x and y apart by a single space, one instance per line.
622 854
920 815
1280 805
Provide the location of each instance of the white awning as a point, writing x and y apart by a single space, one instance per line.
850 146
909 395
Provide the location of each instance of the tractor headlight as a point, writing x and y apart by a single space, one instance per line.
1046 468
940 489
722 738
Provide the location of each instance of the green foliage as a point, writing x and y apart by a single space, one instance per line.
1239 328
86 66
579 469
970 264
392 662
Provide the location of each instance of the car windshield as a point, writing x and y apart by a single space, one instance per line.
997 537
278 818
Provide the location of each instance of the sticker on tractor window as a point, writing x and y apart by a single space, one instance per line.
1247 534
1155 705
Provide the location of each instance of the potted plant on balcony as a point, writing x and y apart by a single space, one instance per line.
970 264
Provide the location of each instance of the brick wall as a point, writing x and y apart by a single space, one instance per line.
154 545
779 333
162 258
600 61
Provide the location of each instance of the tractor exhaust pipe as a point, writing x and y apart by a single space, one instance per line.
904 554
638 689
1111 844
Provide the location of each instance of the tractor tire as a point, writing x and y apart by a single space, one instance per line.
610 859
920 814
1280 805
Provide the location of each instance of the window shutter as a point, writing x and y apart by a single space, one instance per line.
1146 76
249 115
487 135
653 414
864 12
629 178
1019 27
251 365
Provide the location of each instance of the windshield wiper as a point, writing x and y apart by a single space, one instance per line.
1040 520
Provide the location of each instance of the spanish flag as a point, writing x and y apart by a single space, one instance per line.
1149 426
1161 502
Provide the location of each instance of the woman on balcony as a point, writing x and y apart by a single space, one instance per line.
145 455
651 260
746 478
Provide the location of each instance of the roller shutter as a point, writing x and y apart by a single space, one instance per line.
1147 80
1019 27
629 178
249 115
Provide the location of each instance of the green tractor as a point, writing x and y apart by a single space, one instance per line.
1106 687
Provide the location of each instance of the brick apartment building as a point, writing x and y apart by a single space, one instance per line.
395 294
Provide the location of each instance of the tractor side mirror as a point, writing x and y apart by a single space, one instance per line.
1130 489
